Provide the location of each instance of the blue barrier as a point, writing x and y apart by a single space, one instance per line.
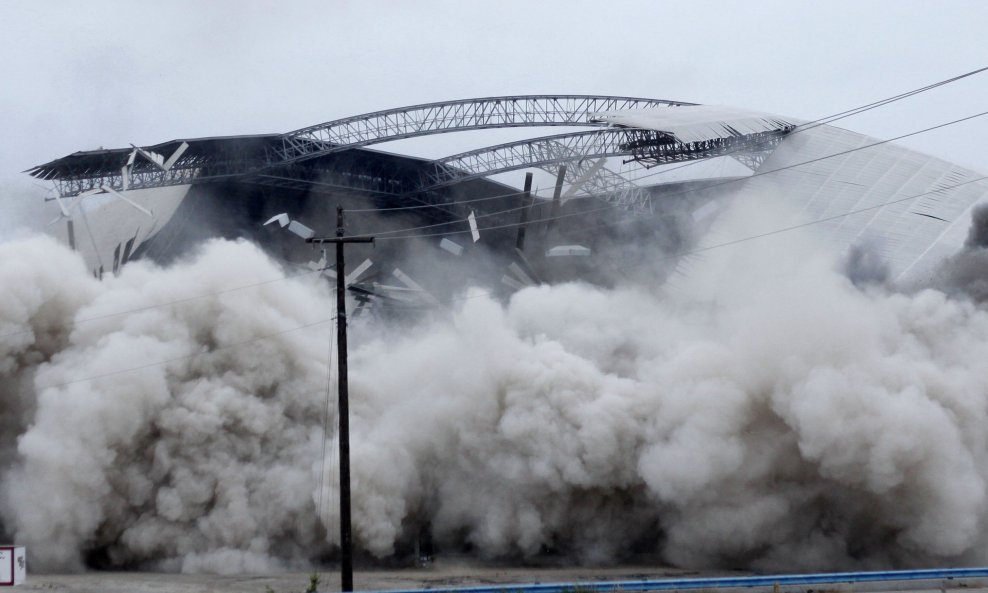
935 574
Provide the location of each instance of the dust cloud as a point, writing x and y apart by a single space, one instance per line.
767 413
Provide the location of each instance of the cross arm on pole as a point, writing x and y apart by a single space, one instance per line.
340 240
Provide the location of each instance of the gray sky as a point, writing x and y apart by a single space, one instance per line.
83 74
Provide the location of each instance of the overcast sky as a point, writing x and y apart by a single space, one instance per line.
82 74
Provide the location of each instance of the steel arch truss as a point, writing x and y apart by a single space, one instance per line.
645 146
452 116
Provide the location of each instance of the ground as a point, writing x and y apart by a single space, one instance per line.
447 574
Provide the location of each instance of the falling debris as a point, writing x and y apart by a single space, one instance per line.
319 265
451 246
153 157
474 231
567 250
282 219
293 225
355 275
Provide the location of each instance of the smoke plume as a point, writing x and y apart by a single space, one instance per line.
965 272
766 414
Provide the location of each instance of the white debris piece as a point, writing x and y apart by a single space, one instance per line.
282 219
301 230
564 250
318 265
451 246
176 155
353 276
474 231
293 225
155 158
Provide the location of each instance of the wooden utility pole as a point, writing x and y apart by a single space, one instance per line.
346 539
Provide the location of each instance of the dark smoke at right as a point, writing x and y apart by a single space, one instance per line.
966 273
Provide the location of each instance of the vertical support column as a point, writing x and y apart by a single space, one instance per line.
526 205
557 202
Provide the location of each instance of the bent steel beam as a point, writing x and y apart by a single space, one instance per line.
453 116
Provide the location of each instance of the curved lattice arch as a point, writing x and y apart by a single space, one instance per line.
454 116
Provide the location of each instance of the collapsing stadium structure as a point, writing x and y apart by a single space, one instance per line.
155 201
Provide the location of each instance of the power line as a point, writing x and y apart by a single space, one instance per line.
837 116
801 128
697 250
687 191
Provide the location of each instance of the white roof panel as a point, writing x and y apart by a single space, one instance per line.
694 123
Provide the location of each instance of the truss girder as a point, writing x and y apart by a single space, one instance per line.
143 175
451 116
651 147
592 144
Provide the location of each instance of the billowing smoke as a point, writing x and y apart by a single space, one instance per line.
863 265
965 272
766 413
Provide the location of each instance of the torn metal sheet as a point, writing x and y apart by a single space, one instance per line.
317 265
567 250
176 155
282 219
451 246
474 231
698 123
155 158
357 272
293 225
301 230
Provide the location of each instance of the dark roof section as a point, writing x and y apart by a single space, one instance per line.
109 161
